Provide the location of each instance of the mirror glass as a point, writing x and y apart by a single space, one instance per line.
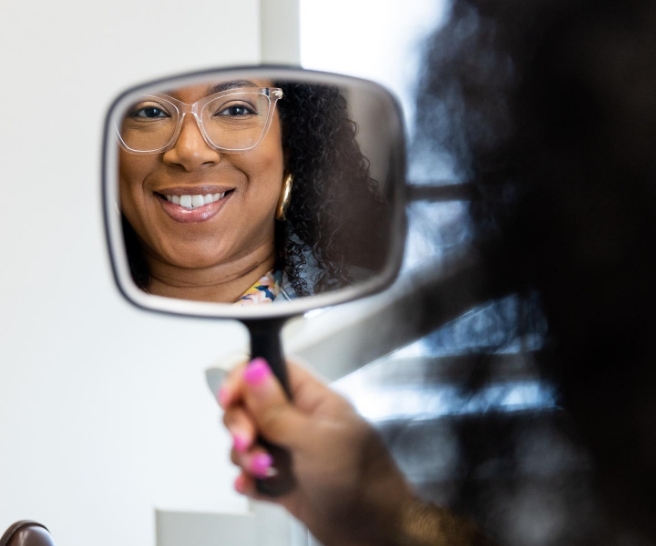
251 187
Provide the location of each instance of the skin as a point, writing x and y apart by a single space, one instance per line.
217 259
348 489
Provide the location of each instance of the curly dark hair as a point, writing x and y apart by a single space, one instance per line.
336 211
337 214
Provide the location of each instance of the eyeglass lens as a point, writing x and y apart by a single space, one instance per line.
232 122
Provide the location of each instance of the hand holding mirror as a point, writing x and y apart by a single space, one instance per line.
254 194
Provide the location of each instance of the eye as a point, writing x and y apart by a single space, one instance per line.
236 110
149 112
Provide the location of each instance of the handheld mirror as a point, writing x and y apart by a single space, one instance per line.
254 194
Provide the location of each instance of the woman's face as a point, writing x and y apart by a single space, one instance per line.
238 224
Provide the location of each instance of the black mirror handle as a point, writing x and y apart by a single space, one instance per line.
266 343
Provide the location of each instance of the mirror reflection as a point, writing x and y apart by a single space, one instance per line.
254 191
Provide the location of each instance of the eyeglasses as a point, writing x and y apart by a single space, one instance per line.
235 120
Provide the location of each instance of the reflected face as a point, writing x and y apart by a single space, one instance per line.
193 206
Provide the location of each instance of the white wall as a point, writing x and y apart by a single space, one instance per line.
379 40
104 412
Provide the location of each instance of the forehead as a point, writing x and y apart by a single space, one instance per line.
193 93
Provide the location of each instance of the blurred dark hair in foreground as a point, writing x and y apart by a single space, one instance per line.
549 110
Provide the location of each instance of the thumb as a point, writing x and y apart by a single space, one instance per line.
274 414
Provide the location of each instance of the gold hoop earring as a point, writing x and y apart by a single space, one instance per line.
285 198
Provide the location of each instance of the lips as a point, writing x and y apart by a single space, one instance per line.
192 206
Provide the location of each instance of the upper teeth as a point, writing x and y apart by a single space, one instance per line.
194 201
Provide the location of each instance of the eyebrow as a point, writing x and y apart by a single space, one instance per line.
233 84
230 85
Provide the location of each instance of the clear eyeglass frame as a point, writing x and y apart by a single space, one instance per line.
181 109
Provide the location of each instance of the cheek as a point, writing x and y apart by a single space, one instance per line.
270 186
265 170
132 170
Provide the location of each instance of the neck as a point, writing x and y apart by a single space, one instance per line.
222 283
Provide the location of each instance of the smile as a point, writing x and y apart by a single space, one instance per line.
193 208
191 202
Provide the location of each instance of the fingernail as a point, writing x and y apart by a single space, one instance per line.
240 443
261 464
240 484
257 372
223 396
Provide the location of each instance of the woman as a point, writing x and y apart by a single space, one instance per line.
270 200
551 113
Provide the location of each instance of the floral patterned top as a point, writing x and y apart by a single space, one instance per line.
265 290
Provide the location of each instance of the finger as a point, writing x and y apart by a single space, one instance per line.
274 415
241 427
245 485
230 391
311 394
257 462
308 392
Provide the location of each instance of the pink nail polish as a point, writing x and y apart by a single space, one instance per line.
223 397
240 443
257 371
260 464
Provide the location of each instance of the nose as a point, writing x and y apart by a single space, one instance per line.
190 149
